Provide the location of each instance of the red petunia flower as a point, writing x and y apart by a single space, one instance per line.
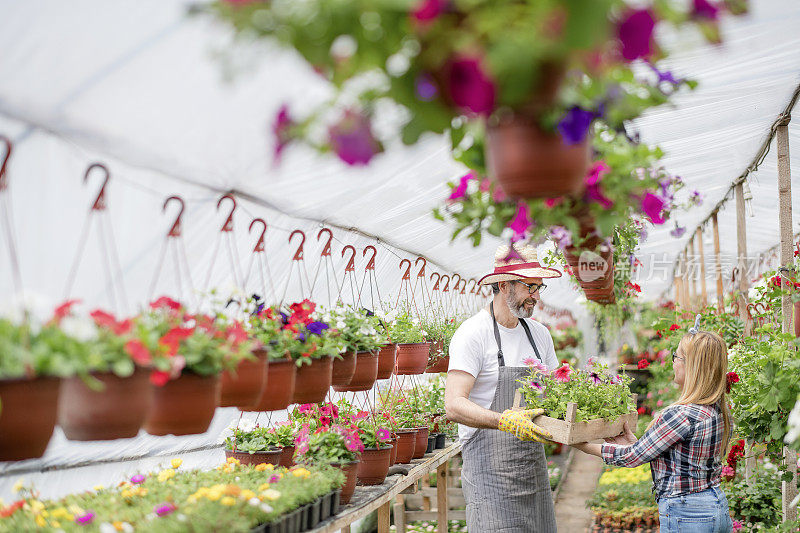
673 327
730 379
138 352
562 373
643 363
108 321
159 378
165 302
63 310
642 410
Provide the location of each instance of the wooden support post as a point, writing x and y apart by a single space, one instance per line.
718 264
400 514
690 264
788 490
703 293
741 251
441 498
676 282
684 301
345 529
383 517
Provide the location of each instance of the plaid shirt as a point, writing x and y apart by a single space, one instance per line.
682 448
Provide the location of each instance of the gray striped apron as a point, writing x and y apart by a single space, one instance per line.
505 480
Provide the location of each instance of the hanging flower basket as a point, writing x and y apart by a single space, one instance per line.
374 465
365 374
279 386
184 406
243 386
406 444
421 443
440 365
530 163
351 472
27 416
412 358
343 369
313 381
393 455
387 357
272 456
117 411
797 319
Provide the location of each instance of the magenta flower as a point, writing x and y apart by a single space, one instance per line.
460 190
678 231
274 479
574 125
281 131
428 10
352 140
164 509
636 34
383 434
536 386
737 525
695 198
704 9
552 202
592 181
512 253
521 221
652 205
485 185
470 88
306 408
499 194
595 378
425 88
361 415
562 373
138 478
85 519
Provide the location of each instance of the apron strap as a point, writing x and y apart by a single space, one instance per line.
530 339
500 361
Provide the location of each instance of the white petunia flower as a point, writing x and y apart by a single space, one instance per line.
105 527
79 327
247 425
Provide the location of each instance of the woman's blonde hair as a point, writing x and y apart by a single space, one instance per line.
705 377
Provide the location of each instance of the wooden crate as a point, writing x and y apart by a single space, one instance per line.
570 431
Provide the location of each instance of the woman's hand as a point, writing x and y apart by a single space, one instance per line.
626 438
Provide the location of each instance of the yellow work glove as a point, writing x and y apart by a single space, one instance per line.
519 424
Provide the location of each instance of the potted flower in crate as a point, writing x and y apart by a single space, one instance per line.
251 444
579 405
361 334
412 349
334 445
187 353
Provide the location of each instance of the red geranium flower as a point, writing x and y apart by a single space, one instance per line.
138 352
643 363
63 310
165 302
159 378
642 410
108 321
673 327
730 379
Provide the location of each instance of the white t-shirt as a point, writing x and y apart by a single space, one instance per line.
473 349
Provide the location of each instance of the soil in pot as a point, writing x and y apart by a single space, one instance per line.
287 456
27 416
406 445
386 360
184 406
421 443
313 381
374 465
243 386
365 374
351 472
115 412
343 369
279 389
412 358
272 456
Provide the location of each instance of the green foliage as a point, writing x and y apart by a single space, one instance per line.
758 501
358 329
25 352
406 328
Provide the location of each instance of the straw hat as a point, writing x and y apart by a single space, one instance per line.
510 266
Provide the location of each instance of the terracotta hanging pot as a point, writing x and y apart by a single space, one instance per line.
243 386
412 358
313 381
343 369
797 319
287 456
279 389
365 374
406 444
184 406
421 443
530 163
272 456
386 359
374 465
28 411
440 365
393 456
117 411
351 473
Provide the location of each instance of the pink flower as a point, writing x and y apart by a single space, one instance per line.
470 88
306 408
138 352
159 378
383 434
178 363
636 34
727 471
652 205
562 373
428 10
165 302
704 9
536 386
528 361
649 395
536 365
274 479
592 180
552 202
361 415
591 361
485 185
499 194
659 403
521 221
737 526
164 509
460 190
352 140
138 478
281 131
85 519
63 310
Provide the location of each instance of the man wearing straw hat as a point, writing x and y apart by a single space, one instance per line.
504 474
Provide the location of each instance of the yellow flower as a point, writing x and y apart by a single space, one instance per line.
301 472
271 494
247 494
19 485
232 490
232 461
264 466
59 512
165 475
98 488
55 523
40 521
227 500
127 494
74 509
263 487
36 506
192 498
214 495
176 463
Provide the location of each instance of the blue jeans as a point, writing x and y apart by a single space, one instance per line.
698 512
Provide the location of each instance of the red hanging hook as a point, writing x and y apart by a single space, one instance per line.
100 201
474 285
298 255
326 250
351 265
407 273
175 230
464 286
3 180
438 278
371 262
259 247
447 285
455 283
421 273
228 225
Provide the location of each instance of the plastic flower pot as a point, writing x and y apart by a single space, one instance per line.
431 444
386 359
406 444
28 412
412 358
336 500
287 456
271 456
440 365
325 507
797 319
313 381
440 441
243 386
365 374
351 473
374 465
117 411
530 163
343 369
279 388
314 514
393 456
421 443
184 406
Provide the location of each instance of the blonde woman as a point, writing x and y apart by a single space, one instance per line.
685 445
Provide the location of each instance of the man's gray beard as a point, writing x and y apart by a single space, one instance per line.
518 309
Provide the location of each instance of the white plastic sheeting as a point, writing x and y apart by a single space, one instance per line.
139 86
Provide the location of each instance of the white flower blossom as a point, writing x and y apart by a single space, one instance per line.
80 327
255 502
246 425
266 508
105 527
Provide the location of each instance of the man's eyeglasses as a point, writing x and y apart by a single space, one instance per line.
675 356
533 287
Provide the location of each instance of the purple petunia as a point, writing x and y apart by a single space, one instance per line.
695 198
704 9
138 478
521 221
425 88
536 386
352 140
652 205
595 378
574 125
665 76
317 327
512 254
281 131
561 236
460 190
469 87
164 509
85 519
636 34
678 231
428 10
